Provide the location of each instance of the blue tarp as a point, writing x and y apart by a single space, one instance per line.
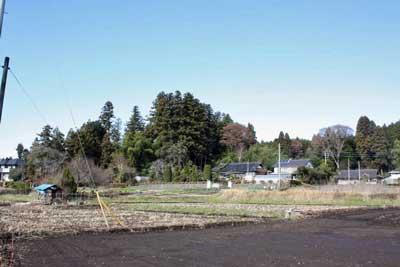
43 187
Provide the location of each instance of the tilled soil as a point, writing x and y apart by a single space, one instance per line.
32 220
352 238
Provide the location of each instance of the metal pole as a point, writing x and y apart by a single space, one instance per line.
2 11
359 171
3 84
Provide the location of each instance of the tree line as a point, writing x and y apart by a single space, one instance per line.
182 139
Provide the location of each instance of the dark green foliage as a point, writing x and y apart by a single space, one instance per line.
91 135
176 174
266 153
17 174
167 174
374 144
285 141
321 175
20 151
68 181
184 119
186 173
207 173
20 186
107 116
194 174
135 123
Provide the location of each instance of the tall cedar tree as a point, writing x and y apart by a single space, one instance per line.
175 118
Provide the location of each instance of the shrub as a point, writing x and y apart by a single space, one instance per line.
69 183
207 172
17 174
20 186
167 174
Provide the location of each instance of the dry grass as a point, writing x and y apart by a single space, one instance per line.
307 196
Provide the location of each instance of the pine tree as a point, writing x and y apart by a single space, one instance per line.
107 116
20 151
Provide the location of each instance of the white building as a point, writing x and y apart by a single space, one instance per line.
6 165
393 179
290 166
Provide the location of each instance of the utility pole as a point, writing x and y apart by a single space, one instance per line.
359 171
3 84
279 161
348 168
325 157
2 11
279 166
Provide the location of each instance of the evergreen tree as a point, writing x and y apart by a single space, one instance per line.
107 116
20 151
45 136
58 140
135 123
364 140
69 183
396 154
380 150
107 149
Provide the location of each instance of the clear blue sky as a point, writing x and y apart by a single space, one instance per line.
295 66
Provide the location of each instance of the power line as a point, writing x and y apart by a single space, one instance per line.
22 87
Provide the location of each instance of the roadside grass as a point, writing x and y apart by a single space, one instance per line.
211 211
13 198
296 196
302 196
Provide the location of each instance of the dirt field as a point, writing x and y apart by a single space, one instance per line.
357 238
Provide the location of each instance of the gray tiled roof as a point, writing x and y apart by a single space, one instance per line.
293 163
12 162
369 173
241 167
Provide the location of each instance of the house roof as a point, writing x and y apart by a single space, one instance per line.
295 163
12 162
44 187
344 174
241 167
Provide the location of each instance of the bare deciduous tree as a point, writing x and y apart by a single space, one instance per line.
331 140
237 137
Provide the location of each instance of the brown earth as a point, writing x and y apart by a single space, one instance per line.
355 238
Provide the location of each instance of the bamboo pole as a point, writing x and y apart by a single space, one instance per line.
102 210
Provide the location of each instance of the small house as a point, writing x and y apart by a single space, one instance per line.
243 169
6 165
290 166
355 176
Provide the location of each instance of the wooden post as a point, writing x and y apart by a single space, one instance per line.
3 84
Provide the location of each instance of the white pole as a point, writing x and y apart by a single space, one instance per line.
348 168
279 161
